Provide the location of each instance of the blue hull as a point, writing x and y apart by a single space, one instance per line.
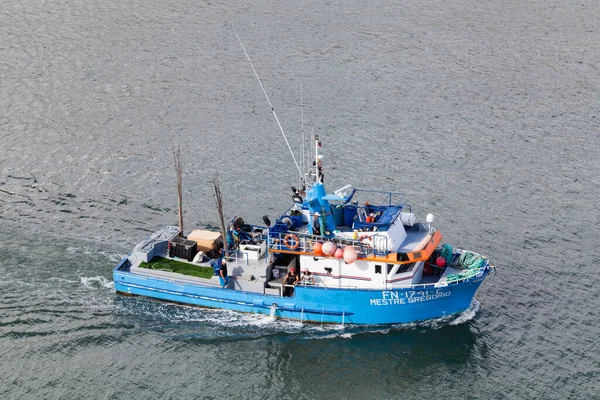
314 304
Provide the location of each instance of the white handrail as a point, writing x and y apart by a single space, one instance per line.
306 241
234 256
407 287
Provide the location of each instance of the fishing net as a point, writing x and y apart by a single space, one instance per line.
471 264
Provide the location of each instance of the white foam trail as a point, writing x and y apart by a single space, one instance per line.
93 251
468 314
61 280
265 325
7 281
97 282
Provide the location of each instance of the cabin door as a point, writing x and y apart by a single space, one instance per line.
379 275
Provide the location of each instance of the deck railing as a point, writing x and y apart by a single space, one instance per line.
293 242
165 234
417 286
391 198
236 256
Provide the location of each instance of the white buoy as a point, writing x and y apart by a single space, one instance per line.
328 248
350 254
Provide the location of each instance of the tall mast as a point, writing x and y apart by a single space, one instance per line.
317 177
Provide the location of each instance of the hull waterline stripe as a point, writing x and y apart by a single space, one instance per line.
241 303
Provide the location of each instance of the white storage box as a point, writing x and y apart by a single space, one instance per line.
254 251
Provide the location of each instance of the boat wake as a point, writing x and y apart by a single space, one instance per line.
91 251
205 323
97 282
468 314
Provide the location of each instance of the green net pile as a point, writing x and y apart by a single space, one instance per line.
470 263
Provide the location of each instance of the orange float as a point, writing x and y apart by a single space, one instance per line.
318 248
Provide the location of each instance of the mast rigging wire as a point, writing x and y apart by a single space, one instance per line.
269 101
302 123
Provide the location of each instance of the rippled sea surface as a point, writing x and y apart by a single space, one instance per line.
485 113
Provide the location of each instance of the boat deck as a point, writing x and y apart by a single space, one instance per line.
246 275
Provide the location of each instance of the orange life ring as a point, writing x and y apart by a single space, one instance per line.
291 238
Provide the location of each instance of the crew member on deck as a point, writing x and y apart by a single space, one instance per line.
223 278
307 278
215 262
233 237
316 224
290 280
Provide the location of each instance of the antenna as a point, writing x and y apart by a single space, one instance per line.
317 159
269 101
312 150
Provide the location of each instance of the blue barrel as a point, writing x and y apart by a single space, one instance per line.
338 214
350 211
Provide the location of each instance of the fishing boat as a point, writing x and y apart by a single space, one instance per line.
345 257
370 262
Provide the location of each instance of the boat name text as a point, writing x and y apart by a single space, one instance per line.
408 297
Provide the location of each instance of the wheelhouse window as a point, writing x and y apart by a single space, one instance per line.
377 269
405 268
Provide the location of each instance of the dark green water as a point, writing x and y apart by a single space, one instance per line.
485 114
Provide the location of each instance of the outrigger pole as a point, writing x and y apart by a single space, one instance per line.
219 204
269 101
179 173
